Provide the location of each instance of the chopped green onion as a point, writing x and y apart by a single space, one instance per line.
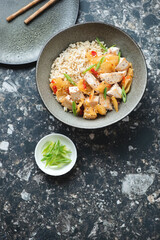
89 68
113 45
74 108
119 55
105 92
99 63
124 96
48 147
70 79
101 45
55 154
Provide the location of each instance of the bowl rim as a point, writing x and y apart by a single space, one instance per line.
132 40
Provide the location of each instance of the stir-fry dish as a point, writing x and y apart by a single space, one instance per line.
90 79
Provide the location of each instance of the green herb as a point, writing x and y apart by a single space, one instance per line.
55 154
113 45
119 55
49 146
70 79
124 97
89 68
101 45
105 92
74 108
99 63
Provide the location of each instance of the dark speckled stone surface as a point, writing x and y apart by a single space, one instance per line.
113 191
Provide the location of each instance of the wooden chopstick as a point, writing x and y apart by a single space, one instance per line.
22 10
40 10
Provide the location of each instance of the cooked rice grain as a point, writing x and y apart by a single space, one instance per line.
73 60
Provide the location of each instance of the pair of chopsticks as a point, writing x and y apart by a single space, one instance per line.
34 15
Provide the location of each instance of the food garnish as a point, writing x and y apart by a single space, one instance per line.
84 84
95 73
112 46
89 68
101 45
124 96
105 92
99 63
119 55
99 79
54 89
70 79
94 53
74 108
56 154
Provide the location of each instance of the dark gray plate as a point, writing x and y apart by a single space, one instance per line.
89 31
20 43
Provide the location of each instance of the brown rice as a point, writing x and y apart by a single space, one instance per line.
73 60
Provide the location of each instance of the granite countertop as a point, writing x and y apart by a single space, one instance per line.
113 190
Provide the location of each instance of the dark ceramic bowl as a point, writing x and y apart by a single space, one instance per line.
89 31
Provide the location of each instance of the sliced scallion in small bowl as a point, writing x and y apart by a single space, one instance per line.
55 154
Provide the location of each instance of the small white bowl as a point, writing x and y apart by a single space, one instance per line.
53 171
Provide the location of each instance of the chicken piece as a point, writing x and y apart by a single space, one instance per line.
91 80
75 93
67 102
113 50
101 109
122 65
105 102
113 77
115 91
89 113
91 102
60 95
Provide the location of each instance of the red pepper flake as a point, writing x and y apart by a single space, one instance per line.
84 84
123 80
52 81
94 53
54 88
108 86
67 90
95 73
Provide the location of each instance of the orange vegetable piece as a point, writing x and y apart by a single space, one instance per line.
115 103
